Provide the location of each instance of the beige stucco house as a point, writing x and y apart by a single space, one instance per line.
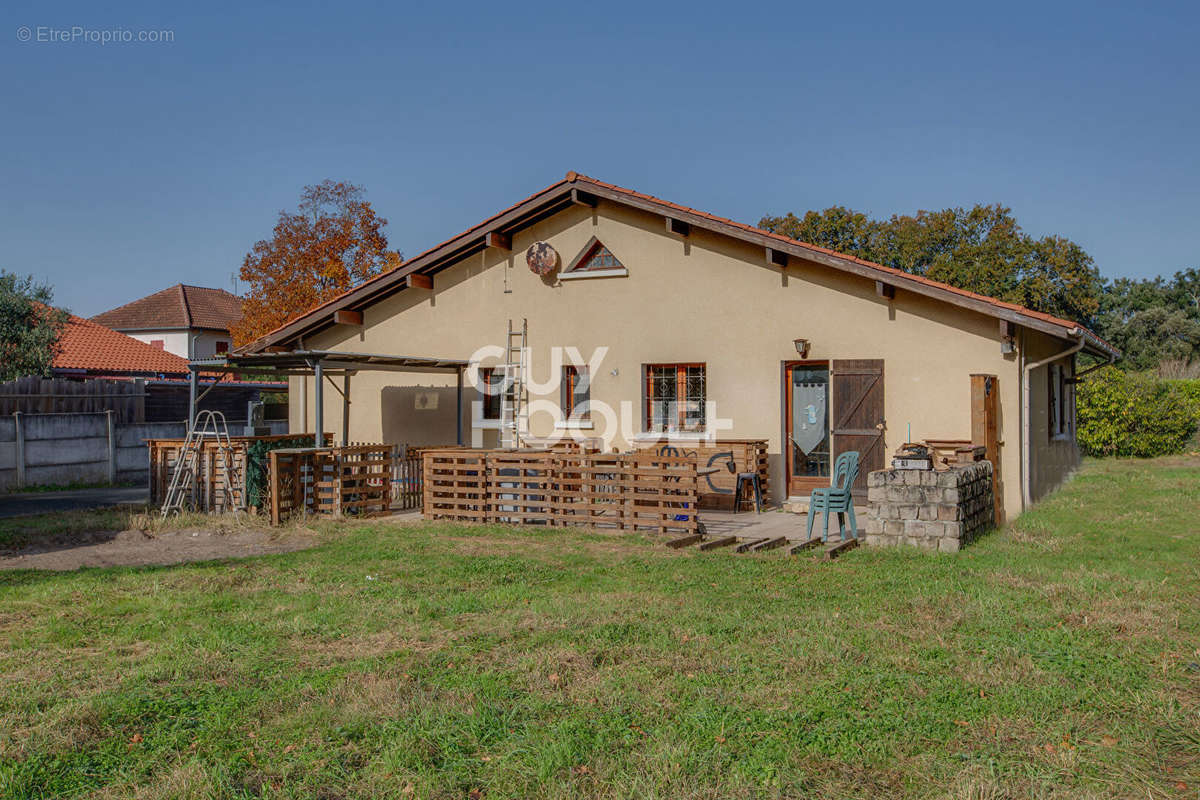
659 320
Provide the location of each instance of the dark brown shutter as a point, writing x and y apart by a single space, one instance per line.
858 423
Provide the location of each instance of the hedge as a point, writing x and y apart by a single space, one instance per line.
1136 414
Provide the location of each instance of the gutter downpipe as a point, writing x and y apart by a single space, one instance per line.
1027 409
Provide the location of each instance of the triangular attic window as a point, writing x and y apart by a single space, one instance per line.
598 257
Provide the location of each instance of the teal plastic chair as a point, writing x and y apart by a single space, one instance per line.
837 497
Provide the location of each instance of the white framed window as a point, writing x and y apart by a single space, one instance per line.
595 260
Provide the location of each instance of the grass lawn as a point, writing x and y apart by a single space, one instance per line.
1057 658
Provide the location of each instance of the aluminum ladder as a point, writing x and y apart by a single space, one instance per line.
209 426
514 396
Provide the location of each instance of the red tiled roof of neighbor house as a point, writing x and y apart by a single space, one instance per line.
575 180
180 306
87 345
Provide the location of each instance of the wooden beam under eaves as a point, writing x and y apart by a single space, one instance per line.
348 317
416 280
885 290
678 227
500 241
1007 329
777 257
581 198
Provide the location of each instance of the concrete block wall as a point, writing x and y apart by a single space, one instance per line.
59 449
935 510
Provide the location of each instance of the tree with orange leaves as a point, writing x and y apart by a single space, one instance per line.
333 242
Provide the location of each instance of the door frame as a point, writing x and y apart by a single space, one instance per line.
802 487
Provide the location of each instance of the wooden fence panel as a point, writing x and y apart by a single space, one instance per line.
522 487
208 494
34 395
637 491
455 485
330 481
730 456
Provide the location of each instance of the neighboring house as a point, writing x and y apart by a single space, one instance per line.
189 321
87 350
703 319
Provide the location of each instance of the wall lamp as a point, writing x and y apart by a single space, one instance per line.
801 347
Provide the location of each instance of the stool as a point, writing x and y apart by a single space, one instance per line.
751 478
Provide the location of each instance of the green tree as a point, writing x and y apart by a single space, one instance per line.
29 327
1153 320
981 249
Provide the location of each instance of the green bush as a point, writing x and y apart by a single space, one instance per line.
1136 414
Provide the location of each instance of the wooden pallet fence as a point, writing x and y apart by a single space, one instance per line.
163 453
408 475
330 481
539 487
522 487
455 485
730 456
286 488
208 494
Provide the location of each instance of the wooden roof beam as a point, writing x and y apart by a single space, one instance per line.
678 227
581 198
885 290
777 258
416 280
344 317
498 240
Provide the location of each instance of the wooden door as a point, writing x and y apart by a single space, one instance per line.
857 419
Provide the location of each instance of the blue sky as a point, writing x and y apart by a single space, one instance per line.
130 167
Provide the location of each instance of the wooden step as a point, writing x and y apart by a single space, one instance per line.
810 544
684 541
835 550
713 544
769 544
750 544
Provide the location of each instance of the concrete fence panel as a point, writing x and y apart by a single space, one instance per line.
85 447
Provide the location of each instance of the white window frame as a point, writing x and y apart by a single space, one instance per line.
573 271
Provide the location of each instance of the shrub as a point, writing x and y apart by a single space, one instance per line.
1136 414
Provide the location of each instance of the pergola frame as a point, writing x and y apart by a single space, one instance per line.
322 365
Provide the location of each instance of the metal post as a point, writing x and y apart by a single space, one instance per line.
458 409
319 404
112 448
191 420
19 431
346 409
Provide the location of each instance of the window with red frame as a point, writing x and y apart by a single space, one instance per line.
676 396
490 382
576 393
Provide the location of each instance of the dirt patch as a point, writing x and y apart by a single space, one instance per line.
137 548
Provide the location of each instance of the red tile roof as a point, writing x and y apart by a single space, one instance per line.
180 306
576 180
86 345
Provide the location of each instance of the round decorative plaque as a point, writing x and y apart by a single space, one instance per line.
542 258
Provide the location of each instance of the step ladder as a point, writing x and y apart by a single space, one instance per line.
209 426
514 398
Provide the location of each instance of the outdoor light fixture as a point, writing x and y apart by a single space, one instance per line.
801 347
